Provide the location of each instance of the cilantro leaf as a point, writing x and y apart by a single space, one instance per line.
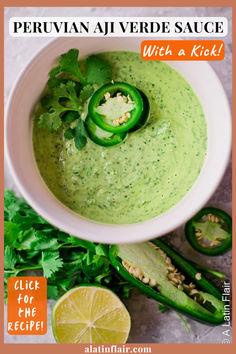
11 231
80 142
54 72
43 242
7 275
98 71
50 263
83 243
66 283
9 198
81 135
67 91
51 103
102 250
71 116
27 220
69 133
51 120
26 239
11 205
9 258
53 82
52 292
86 93
63 237
69 63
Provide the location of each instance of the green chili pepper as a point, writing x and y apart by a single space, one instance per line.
145 114
151 267
210 231
102 137
116 107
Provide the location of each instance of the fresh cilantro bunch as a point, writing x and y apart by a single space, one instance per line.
31 244
65 98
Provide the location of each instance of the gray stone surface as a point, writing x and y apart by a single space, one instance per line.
148 324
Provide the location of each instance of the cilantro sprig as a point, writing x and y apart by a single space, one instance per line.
31 244
98 71
67 97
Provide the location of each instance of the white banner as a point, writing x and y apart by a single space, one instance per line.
118 26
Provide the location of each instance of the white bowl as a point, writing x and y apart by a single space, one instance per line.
19 150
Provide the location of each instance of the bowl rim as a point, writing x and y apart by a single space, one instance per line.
116 230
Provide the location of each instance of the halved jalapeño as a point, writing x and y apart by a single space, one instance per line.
162 274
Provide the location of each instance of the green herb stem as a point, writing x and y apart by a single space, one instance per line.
184 322
19 270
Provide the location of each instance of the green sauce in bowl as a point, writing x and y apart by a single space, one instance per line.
148 173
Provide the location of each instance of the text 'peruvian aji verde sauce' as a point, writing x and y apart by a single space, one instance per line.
146 174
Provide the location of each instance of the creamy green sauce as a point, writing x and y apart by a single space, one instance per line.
149 172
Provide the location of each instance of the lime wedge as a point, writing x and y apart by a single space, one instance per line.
90 314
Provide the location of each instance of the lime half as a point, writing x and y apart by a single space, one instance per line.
90 314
